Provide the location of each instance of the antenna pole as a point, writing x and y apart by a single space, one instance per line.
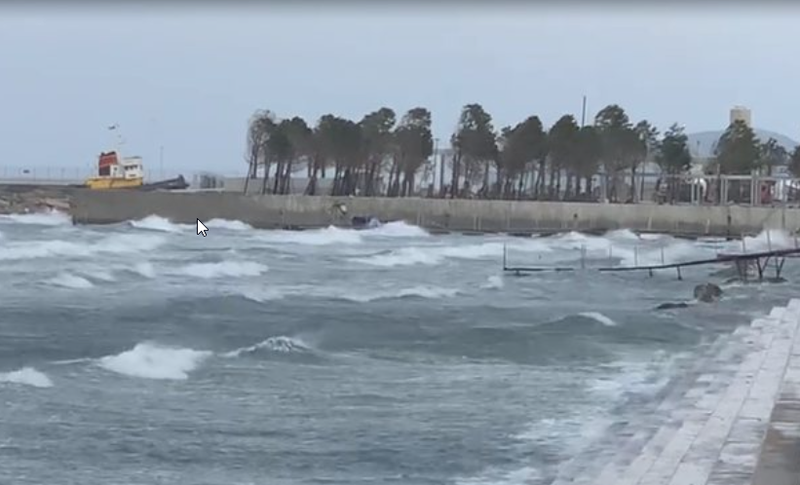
583 112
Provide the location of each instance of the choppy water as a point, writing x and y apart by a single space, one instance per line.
141 353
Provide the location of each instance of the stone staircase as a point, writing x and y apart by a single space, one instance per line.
712 433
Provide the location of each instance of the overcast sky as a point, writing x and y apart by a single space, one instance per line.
189 79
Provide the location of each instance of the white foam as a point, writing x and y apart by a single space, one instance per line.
45 218
600 318
767 240
158 223
27 376
224 269
113 244
274 344
145 268
153 361
493 282
68 280
348 293
262 295
433 255
228 225
100 274
315 237
523 476
399 229
623 234
632 249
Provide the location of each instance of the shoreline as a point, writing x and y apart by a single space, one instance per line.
437 216
466 216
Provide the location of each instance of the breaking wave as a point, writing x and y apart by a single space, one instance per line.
399 229
68 280
114 244
313 237
150 360
46 218
599 317
336 235
280 344
144 268
262 295
158 223
765 241
494 282
229 225
433 255
637 377
99 274
153 361
27 376
223 268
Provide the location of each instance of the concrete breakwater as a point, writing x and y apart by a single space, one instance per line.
19 199
300 212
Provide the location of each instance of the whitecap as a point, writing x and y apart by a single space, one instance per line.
158 223
314 237
279 343
228 225
68 280
44 218
600 318
26 376
223 269
153 361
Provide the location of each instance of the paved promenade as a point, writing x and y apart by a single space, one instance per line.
737 424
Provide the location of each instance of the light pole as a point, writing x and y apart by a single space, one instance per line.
438 160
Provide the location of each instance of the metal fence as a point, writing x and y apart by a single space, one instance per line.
76 175
649 188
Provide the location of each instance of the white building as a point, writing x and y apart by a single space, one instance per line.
740 113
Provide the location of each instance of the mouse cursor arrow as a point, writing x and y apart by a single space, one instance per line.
201 228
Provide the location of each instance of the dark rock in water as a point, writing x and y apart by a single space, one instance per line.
707 293
671 305
365 222
774 279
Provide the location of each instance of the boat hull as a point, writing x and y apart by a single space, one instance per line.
104 183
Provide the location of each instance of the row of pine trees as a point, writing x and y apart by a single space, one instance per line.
525 161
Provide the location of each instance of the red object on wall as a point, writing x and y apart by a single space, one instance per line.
107 159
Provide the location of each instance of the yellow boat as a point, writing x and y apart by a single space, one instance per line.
115 174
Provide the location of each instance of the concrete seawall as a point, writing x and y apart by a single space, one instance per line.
269 211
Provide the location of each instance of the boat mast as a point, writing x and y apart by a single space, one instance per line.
118 141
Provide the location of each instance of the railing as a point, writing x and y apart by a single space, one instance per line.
43 174
76 175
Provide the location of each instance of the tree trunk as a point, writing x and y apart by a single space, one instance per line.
456 174
286 183
266 177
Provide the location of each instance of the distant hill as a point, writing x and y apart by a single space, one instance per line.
701 144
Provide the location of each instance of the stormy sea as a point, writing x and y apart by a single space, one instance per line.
140 353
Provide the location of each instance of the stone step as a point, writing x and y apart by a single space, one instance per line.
710 376
749 456
663 454
738 422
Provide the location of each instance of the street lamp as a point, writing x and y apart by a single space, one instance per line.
438 159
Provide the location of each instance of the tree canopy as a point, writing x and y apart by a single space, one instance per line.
387 154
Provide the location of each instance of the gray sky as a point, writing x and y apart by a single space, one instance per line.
189 79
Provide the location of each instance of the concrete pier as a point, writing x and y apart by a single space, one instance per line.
738 424
269 211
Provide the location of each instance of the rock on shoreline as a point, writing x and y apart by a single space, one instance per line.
37 200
